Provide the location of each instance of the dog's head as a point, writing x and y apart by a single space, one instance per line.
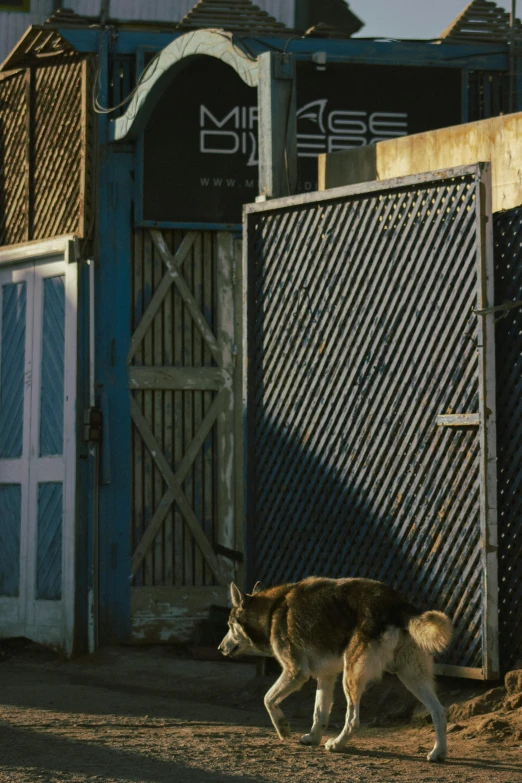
238 640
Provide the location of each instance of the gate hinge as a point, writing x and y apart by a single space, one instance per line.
92 425
504 308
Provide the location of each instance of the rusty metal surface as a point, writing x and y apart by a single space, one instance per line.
360 333
508 288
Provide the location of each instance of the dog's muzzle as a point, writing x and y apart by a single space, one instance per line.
222 649
228 645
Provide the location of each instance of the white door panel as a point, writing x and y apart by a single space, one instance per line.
38 320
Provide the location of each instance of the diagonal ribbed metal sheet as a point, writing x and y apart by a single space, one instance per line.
13 159
361 333
508 289
58 150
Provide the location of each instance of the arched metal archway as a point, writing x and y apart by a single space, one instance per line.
273 73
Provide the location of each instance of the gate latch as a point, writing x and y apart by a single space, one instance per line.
92 425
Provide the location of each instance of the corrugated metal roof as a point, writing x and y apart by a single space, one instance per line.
237 16
13 24
481 20
36 44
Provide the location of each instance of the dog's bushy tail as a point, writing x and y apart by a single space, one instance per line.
431 631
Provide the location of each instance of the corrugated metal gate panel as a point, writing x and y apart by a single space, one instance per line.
508 288
360 333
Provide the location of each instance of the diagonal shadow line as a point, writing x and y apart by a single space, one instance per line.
72 756
454 761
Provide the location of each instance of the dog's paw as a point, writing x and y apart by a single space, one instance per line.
436 755
283 729
310 739
333 746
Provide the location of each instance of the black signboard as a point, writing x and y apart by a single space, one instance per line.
200 153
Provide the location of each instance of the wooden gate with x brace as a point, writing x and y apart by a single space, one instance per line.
186 531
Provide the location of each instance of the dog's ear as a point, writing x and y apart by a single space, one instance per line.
237 596
258 587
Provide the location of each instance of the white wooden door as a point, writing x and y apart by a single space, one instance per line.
37 449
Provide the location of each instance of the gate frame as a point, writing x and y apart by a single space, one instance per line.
485 337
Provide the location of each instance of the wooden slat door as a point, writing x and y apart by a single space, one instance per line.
186 542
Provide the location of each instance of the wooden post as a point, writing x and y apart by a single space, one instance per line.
29 193
277 134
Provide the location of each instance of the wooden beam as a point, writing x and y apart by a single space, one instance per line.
277 125
458 420
458 671
170 614
179 378
29 182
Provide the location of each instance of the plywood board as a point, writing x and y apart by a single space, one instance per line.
497 140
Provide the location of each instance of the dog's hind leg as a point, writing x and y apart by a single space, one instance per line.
362 664
323 706
415 669
287 683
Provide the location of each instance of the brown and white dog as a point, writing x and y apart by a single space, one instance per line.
322 627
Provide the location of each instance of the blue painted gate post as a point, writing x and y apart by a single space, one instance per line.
112 390
112 337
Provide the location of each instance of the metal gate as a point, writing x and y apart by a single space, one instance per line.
370 395
185 537
508 296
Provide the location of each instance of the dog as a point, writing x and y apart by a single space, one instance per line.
321 627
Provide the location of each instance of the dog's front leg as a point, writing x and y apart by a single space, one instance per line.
287 683
323 706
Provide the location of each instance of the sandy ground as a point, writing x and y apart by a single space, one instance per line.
145 715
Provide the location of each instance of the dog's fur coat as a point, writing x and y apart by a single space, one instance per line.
322 627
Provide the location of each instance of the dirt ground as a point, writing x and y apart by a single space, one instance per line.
128 715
